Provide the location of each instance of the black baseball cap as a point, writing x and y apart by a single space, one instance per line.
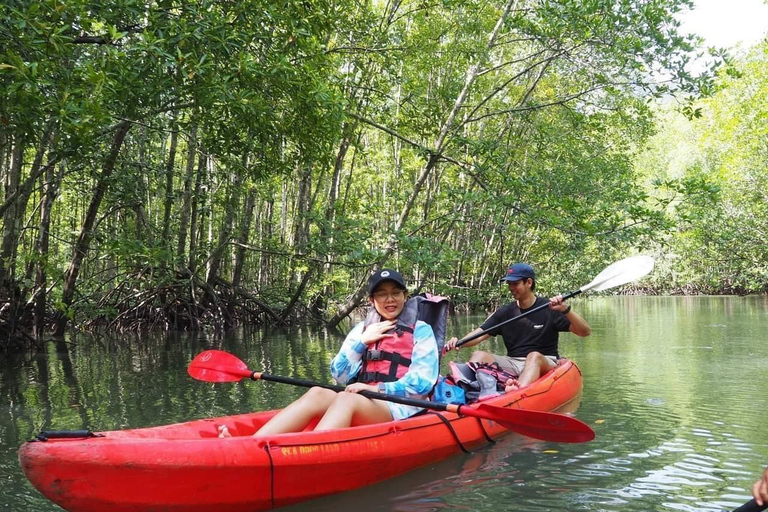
385 274
518 271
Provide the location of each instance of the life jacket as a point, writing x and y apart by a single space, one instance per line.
389 358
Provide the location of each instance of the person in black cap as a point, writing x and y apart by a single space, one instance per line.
531 341
379 355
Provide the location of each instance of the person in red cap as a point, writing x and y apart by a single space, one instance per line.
532 340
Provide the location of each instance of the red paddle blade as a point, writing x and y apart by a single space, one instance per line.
218 366
548 426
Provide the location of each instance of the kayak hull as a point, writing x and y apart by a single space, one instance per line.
185 467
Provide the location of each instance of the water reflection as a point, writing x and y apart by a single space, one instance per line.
673 387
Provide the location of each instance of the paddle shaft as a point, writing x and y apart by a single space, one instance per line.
426 404
751 506
518 317
218 366
572 432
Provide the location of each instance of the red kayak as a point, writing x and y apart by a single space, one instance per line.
185 467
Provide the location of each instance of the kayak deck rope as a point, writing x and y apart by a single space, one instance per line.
451 429
485 432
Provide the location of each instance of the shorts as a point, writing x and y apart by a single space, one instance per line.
515 365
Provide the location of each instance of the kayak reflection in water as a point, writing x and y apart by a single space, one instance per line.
378 355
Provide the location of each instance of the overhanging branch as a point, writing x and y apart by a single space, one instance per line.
422 148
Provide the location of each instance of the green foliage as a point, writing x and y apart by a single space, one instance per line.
716 191
328 114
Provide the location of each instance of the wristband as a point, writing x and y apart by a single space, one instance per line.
567 310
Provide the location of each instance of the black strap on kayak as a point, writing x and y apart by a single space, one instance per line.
45 435
487 437
271 475
450 427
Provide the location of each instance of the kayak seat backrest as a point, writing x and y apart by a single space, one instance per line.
433 309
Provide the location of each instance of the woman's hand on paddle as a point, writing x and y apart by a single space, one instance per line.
359 386
377 331
760 489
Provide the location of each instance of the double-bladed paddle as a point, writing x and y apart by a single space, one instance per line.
622 272
751 506
219 366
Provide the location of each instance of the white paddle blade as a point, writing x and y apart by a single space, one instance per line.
622 272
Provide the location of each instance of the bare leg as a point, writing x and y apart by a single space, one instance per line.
478 356
295 418
351 409
536 365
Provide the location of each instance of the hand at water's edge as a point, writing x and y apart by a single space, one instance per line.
760 489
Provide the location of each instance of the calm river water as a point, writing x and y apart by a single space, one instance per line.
675 388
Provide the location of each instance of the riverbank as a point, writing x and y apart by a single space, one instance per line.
188 303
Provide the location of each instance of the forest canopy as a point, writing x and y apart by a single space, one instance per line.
180 164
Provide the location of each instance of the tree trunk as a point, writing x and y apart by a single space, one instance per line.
302 207
4 150
11 221
327 231
23 190
142 228
86 232
284 213
45 185
185 202
437 148
202 163
37 164
39 296
225 232
245 231
265 260
169 184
